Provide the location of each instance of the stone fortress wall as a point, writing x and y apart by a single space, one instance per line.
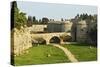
22 39
82 29
38 28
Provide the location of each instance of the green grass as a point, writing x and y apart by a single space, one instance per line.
39 55
83 52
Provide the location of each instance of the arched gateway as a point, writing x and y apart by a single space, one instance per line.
55 39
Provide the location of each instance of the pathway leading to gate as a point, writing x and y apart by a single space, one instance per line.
67 52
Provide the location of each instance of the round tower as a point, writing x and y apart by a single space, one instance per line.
82 29
68 26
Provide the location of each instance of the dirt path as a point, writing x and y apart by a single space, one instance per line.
67 52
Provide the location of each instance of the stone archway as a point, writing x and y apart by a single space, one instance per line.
55 39
38 40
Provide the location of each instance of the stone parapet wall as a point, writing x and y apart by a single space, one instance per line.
38 28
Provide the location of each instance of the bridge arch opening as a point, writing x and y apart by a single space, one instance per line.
38 40
55 39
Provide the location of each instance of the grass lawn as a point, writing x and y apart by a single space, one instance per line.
83 52
39 55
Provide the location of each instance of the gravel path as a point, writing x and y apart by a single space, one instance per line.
67 52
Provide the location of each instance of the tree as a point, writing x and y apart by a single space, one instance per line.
36 22
90 17
14 14
30 18
77 16
18 19
85 16
40 20
93 32
62 19
29 22
22 18
93 35
45 20
34 19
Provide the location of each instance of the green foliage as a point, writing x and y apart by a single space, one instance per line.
93 34
34 19
83 52
84 17
40 20
18 18
29 21
62 19
30 18
14 12
93 30
39 55
45 20
92 23
21 20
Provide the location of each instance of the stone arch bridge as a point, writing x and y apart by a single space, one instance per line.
48 36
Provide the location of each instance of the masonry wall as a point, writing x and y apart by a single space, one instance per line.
20 41
68 26
82 32
38 28
55 27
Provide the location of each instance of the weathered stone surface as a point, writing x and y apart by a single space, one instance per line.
82 31
20 41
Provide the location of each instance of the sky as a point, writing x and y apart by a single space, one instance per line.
54 11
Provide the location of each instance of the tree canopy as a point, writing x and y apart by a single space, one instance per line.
18 18
45 20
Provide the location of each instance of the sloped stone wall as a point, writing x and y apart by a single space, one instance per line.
20 41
